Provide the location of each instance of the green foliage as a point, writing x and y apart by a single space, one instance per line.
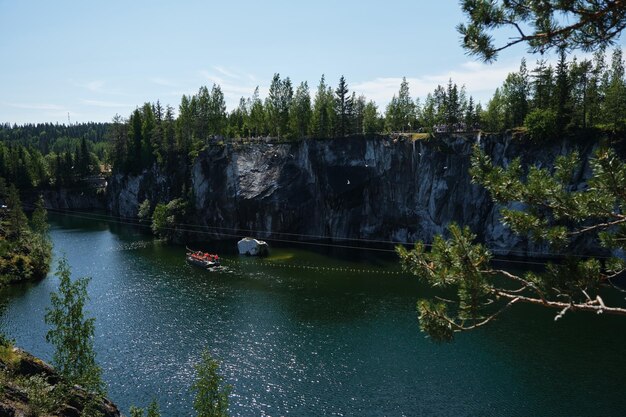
71 333
136 411
323 117
143 212
547 208
451 263
541 124
42 398
160 220
344 107
542 25
300 112
277 105
92 407
4 341
211 393
401 111
166 219
371 119
153 410
25 250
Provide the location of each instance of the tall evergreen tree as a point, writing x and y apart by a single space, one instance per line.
257 115
359 104
343 107
277 105
147 130
119 136
322 121
542 85
515 91
216 112
594 88
300 111
562 90
371 120
615 92
136 123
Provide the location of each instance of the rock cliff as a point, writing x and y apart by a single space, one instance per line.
29 387
373 188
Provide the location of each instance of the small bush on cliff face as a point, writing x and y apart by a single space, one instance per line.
167 218
144 210
41 396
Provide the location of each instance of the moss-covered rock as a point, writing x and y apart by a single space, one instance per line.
31 387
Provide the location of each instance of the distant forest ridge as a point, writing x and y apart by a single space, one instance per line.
545 101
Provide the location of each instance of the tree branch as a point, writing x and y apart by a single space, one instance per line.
595 306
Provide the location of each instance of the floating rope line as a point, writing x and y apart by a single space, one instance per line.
317 268
115 220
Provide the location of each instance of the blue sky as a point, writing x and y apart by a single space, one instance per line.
93 59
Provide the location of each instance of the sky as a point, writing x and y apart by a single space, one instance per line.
90 60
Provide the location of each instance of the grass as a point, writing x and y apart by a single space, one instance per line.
420 136
8 355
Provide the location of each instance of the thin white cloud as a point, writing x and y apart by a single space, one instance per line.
100 103
234 89
95 86
35 106
226 72
211 77
163 82
100 87
479 79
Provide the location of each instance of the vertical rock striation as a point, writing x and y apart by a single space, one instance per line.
358 188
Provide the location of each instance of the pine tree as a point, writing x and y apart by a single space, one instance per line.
216 122
562 91
300 111
17 222
515 92
370 118
257 115
542 85
119 136
406 107
540 203
594 93
169 136
277 105
323 111
615 92
343 108
358 114
135 160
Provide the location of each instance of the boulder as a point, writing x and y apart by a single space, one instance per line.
253 247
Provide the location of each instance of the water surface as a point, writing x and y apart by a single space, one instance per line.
312 333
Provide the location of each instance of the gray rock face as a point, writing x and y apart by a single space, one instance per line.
357 188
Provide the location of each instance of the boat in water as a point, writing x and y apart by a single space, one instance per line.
202 259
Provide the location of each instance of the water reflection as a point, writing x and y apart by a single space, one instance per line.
306 341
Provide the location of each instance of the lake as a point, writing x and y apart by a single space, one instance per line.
311 331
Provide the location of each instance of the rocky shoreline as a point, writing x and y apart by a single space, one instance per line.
29 386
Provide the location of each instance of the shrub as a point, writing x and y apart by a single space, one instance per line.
541 124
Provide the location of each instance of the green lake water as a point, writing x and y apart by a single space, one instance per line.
311 332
